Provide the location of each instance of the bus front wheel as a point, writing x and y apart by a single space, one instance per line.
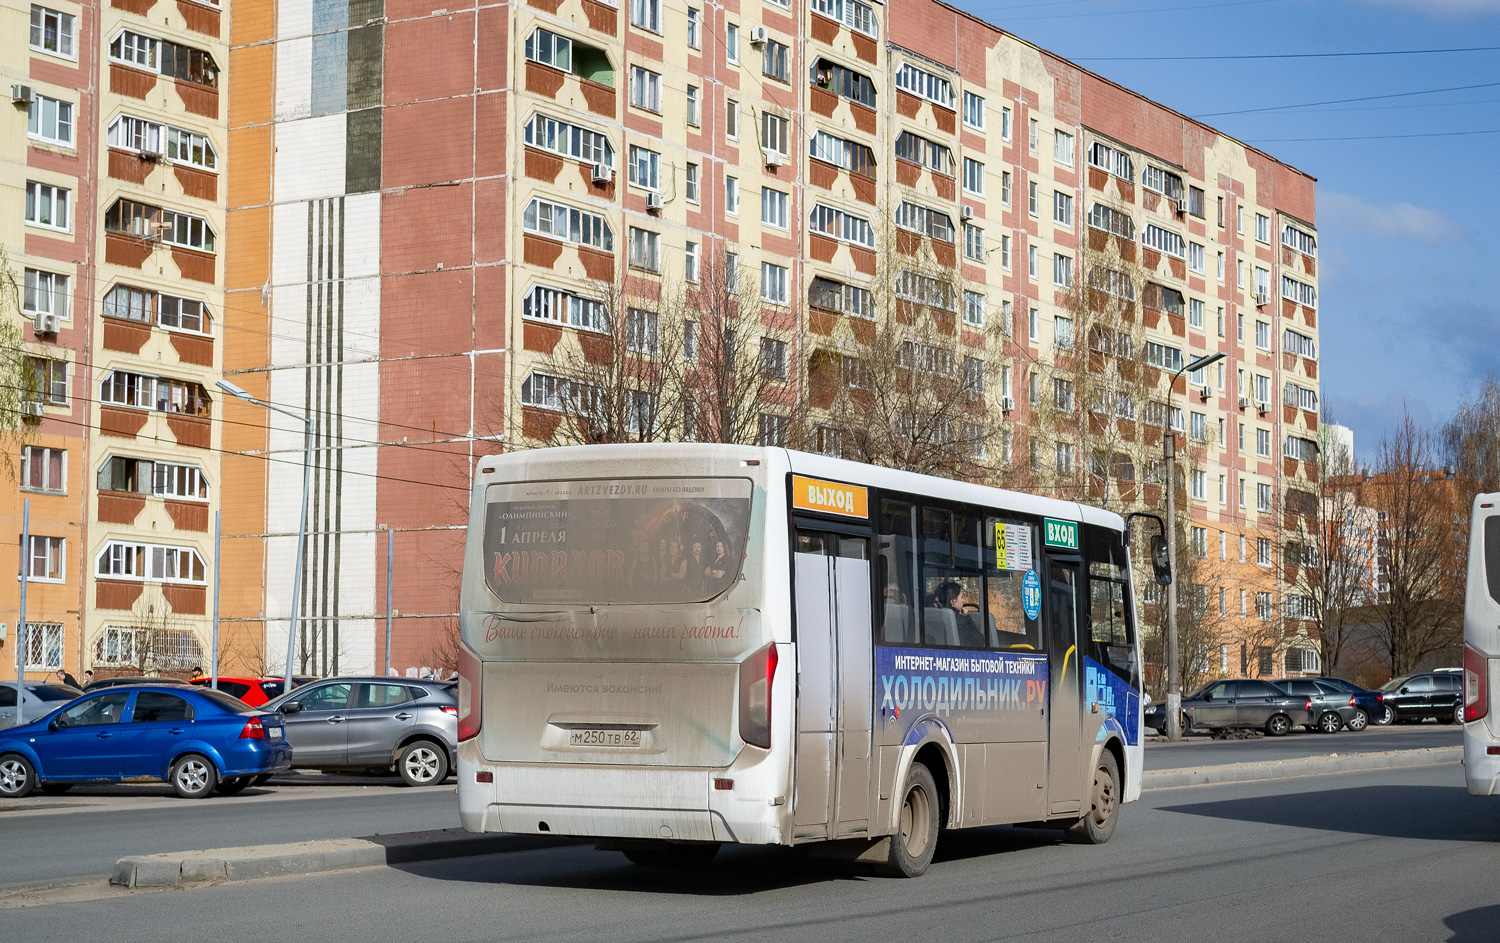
1098 824
917 828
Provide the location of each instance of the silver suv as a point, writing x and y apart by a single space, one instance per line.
399 724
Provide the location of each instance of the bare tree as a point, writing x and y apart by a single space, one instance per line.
1470 441
18 385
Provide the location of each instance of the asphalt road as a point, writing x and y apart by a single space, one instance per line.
1200 750
1308 857
82 833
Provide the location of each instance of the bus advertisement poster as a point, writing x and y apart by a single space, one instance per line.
915 679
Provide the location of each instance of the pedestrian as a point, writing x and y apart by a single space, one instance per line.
88 678
197 672
64 678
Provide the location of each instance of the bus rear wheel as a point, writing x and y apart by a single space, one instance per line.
1098 824
917 828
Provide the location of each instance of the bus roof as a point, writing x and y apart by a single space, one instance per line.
808 463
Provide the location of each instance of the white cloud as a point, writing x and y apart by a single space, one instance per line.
1397 220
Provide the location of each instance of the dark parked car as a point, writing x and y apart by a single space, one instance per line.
399 724
1372 703
198 741
99 683
1332 707
37 698
1241 703
1414 698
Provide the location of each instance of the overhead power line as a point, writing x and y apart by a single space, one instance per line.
1381 137
1288 55
1345 101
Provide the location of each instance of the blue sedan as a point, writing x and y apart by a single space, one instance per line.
197 740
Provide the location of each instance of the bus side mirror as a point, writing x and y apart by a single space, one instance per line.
1160 562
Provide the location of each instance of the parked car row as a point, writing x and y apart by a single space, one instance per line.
202 741
1327 705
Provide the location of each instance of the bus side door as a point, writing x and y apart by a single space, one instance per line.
1066 749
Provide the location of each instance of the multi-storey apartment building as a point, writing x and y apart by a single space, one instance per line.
429 204
111 210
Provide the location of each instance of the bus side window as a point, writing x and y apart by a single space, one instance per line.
1005 611
1111 626
896 569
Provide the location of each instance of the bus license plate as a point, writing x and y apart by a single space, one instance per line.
604 737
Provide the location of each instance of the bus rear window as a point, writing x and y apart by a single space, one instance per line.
1492 556
615 540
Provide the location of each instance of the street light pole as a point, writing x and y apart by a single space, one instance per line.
291 634
1169 462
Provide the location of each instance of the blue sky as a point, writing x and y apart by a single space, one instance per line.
1407 312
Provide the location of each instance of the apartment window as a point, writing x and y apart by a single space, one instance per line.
1263 335
1062 208
1198 427
645 249
973 308
973 242
1033 137
1195 313
135 49
1200 489
1195 258
690 183
974 375
1031 262
171 480
1195 201
775 134
843 82
559 221
645 168
732 196
690 342
182 314
1164 240
773 208
1161 181
1242 544
1239 274
973 111
1262 284
1062 271
1111 220
1220 321
1263 390
926 290
1005 124
1062 395
1264 611
1111 159
773 283
1303 294
1005 188
50 120
44 469
1033 385
732 119
46 381
44 559
191 232
1303 450
1062 333
568 140
854 14
773 358
732 273
1033 324
45 293
1200 542
53 32
853 157
829 295
1062 147
1239 331
1033 201
1262 228
690 262
694 111
543 303
1063 458
47 205
925 220
44 646
1263 504
925 84
973 176
125 560
1221 268
646 14
775 61
641 332
1005 251
645 89
1223 535
1263 443
919 150
1295 238
841 225
1239 220
1300 344
694 28
732 44
1263 544
1164 356
771 432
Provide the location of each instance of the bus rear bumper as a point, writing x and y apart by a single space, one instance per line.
621 802
1481 768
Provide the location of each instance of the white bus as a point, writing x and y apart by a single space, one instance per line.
669 647
1482 649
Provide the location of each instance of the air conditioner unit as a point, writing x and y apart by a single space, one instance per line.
774 158
45 324
1244 401
22 94
1262 299
148 153
1007 404
1181 207
1262 408
31 410
654 201
758 36
1206 392
603 173
966 212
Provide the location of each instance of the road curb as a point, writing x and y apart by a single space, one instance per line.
1301 766
219 865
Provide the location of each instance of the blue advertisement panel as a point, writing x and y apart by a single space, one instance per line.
945 682
1118 699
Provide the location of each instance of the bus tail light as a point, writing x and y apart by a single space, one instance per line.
470 682
756 675
1476 685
